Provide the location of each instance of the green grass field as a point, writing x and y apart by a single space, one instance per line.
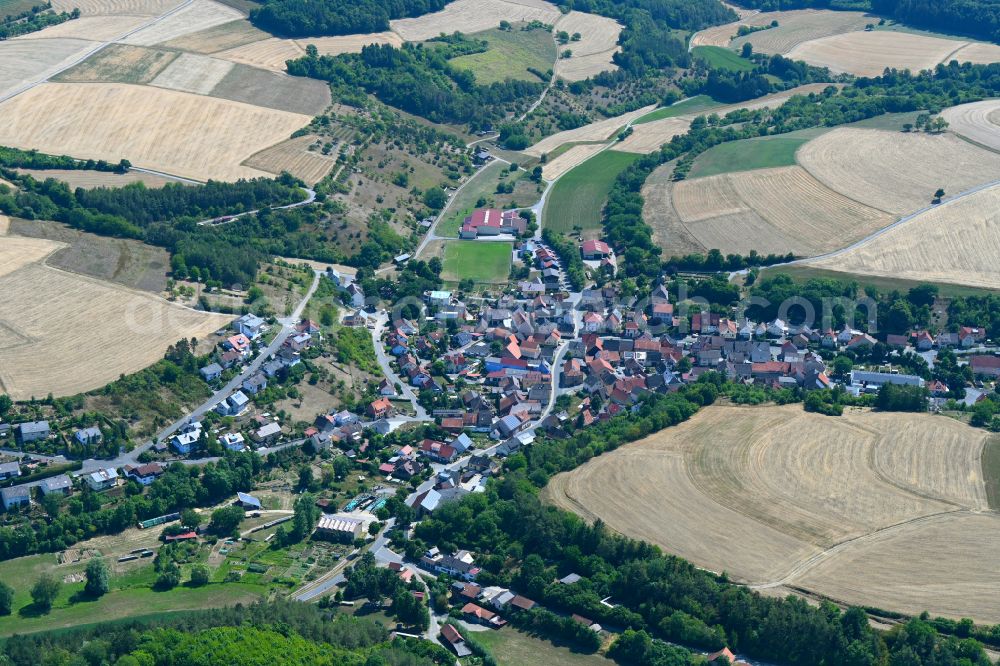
14 7
510 55
119 603
722 58
693 105
511 647
577 198
750 154
481 261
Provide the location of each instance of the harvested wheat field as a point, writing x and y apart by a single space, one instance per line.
777 496
956 242
119 63
602 130
592 53
26 61
470 16
268 53
894 171
193 73
90 179
197 16
869 570
978 53
648 137
571 158
978 122
54 320
798 27
178 133
294 157
869 53
669 231
781 209
17 252
97 28
218 38
116 7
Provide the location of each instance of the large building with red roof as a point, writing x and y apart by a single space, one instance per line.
492 222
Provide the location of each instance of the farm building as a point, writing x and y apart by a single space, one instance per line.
15 496
492 222
248 502
339 528
593 250
450 636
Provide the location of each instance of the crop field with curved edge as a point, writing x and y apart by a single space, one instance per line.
777 496
799 26
957 242
294 157
116 7
470 16
869 53
178 133
897 172
978 122
593 52
51 322
782 210
602 130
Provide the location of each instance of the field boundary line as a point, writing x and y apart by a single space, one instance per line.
813 561
884 230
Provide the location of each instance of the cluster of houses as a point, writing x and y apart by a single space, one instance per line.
14 497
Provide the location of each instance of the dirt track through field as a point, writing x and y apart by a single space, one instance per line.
956 242
839 506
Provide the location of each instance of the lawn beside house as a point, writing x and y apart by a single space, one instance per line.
511 647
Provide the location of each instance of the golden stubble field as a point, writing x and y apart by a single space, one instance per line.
869 53
175 132
470 16
779 497
978 122
957 242
64 333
